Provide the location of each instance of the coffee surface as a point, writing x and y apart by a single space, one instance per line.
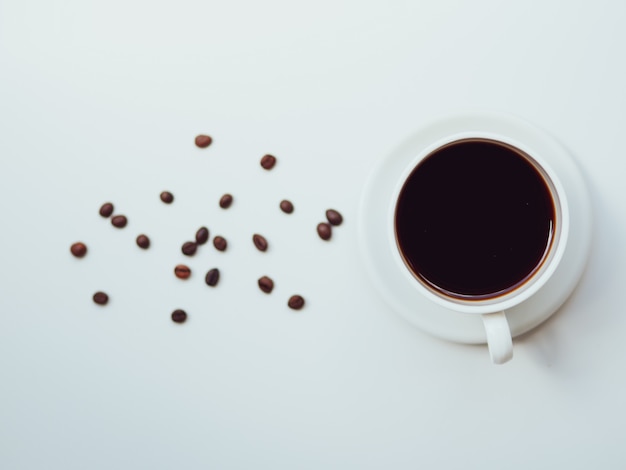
474 219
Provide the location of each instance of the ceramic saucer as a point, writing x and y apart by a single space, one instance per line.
377 247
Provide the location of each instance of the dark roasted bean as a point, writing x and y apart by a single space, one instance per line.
226 200
100 298
334 217
167 197
260 242
119 221
220 243
268 161
286 206
78 249
182 272
143 241
202 235
189 248
266 284
203 141
179 316
212 277
106 209
324 231
296 302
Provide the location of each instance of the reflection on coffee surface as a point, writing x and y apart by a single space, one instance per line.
475 219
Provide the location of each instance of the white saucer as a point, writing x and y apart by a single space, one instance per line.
376 246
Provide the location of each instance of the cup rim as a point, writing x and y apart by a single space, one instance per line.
541 274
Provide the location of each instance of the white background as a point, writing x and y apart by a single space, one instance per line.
101 101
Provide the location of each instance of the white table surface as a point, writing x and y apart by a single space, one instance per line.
101 101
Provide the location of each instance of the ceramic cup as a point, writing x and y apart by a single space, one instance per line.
493 320
491 306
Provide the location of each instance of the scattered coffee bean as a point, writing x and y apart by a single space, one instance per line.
202 235
266 284
268 161
106 210
203 141
182 272
78 249
220 243
167 197
260 242
100 298
295 302
143 241
212 277
179 316
286 206
226 201
334 217
189 248
119 221
324 231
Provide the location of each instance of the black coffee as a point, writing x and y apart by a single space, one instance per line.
475 219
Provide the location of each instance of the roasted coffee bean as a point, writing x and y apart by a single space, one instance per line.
78 249
286 206
106 209
202 235
143 241
203 141
260 242
266 284
226 200
295 302
100 298
179 316
212 277
220 243
182 272
167 197
324 231
268 161
189 248
334 217
119 221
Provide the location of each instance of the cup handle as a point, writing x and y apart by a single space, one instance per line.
498 337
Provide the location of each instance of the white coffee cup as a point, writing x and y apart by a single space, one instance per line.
523 307
492 307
